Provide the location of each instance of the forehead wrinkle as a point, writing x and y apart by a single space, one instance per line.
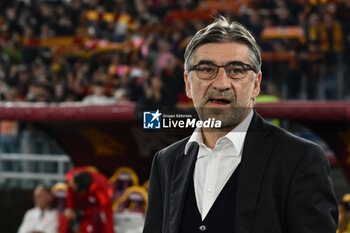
209 62
201 53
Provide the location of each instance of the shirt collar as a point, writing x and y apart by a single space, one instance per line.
236 135
195 137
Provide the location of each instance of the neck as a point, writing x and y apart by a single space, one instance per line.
211 135
44 208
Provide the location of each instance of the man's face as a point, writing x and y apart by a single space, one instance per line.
73 185
222 98
42 198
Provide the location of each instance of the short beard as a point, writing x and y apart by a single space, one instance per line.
230 116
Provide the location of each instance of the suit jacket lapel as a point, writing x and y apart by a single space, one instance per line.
254 158
182 173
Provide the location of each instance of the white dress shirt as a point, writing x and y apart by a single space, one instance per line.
215 166
37 220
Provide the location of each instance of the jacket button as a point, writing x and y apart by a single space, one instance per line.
203 228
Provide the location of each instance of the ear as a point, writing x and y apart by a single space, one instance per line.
256 88
187 85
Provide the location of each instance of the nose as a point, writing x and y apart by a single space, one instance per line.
222 81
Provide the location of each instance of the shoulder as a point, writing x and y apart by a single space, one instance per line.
296 143
31 213
287 138
288 154
284 146
53 213
33 210
293 149
175 147
169 153
279 136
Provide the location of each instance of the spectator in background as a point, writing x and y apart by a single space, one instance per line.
284 17
42 218
97 96
9 133
3 87
331 38
121 95
172 82
344 215
311 58
59 193
11 49
254 24
20 78
312 30
89 201
154 92
344 15
59 92
164 56
63 26
39 92
269 93
332 46
9 143
139 76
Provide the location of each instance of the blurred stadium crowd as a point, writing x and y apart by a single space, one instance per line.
100 51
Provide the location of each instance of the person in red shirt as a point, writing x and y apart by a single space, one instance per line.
89 201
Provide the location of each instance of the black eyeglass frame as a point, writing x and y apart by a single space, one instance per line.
245 66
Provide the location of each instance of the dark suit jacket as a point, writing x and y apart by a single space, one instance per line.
283 185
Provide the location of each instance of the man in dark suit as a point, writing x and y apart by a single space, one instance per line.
247 176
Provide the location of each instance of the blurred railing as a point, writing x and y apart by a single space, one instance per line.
46 169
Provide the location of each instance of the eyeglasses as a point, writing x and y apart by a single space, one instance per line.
234 70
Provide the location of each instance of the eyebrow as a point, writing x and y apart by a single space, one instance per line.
209 62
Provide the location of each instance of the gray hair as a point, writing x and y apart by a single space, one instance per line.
222 31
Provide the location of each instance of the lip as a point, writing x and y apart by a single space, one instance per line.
220 101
